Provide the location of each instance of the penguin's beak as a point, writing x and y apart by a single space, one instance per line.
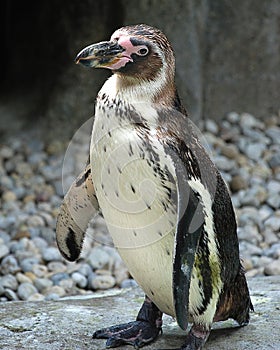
106 54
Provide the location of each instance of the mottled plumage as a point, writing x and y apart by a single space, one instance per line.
165 203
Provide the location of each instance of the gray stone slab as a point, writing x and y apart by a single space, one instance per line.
68 324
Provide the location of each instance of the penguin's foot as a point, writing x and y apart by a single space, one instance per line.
137 333
196 338
144 330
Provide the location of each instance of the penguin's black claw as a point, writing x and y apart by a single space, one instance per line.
137 333
196 338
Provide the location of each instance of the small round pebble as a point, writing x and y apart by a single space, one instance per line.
36 297
28 263
42 284
4 250
25 290
51 254
102 282
9 281
128 283
273 268
98 258
80 280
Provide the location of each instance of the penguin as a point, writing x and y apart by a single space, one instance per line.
165 204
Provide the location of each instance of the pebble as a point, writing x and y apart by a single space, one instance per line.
10 294
98 258
9 281
51 254
102 282
57 290
4 250
36 297
25 290
128 283
22 278
9 265
244 148
42 284
57 277
273 268
80 280
28 263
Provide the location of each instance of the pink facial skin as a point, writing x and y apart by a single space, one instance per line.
125 56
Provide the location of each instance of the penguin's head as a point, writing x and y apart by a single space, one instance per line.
134 53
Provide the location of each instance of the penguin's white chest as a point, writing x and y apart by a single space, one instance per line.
134 184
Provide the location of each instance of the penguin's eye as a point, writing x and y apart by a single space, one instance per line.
143 51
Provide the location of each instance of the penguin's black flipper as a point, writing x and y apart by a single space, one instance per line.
190 224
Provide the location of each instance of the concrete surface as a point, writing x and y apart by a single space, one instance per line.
69 323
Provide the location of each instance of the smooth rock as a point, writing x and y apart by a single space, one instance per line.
273 222
40 243
273 268
238 183
36 297
35 221
25 290
67 284
4 250
85 269
9 281
4 236
57 277
22 278
51 254
42 284
233 117
58 290
255 150
57 266
6 152
274 134
48 234
270 237
224 163
274 160
10 295
9 196
98 258
230 151
274 200
79 279
28 263
39 270
9 265
102 282
52 297
211 126
128 283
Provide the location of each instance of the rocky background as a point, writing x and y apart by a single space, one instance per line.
228 59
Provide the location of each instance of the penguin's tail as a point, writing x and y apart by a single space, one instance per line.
235 301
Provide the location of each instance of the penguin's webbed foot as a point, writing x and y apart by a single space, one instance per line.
144 330
137 333
196 338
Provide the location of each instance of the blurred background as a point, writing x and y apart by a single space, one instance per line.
228 66
228 57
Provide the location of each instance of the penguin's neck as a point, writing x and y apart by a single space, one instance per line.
159 92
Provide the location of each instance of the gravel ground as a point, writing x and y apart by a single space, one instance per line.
245 149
